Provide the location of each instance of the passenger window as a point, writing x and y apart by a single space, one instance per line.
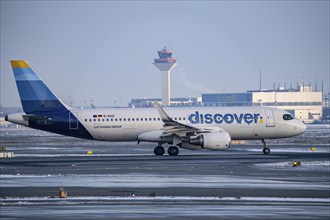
111 119
179 119
99 119
132 119
103 119
94 119
158 119
175 119
287 117
90 119
154 119
107 119
120 119
137 119
115 119
146 119
124 119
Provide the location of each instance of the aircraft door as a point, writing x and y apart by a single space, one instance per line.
73 120
270 122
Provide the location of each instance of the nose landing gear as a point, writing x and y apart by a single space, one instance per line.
266 149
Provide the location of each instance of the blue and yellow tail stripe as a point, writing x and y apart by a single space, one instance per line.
19 64
23 71
34 93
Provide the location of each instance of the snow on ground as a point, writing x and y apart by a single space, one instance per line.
305 165
26 200
158 181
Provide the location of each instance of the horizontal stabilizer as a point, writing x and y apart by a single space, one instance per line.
35 118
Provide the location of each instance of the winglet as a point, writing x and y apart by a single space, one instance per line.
165 118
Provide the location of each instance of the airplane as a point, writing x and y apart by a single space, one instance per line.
191 128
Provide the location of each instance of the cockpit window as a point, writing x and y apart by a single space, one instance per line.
287 117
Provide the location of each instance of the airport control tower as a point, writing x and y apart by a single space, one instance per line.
165 64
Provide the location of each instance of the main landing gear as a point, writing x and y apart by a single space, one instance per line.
173 151
266 149
159 150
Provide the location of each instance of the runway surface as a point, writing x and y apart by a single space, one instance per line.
240 183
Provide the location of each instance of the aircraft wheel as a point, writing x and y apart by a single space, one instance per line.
266 150
173 151
159 150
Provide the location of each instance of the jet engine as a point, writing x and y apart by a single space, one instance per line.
212 141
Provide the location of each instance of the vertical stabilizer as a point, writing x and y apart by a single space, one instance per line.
34 93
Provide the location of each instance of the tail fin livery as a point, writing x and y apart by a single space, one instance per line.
43 110
34 93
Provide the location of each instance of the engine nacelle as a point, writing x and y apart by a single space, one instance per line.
212 141
152 136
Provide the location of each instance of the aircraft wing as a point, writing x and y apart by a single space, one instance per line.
172 127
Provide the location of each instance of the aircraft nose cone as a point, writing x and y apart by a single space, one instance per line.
302 127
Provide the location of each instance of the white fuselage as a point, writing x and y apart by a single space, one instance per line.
125 124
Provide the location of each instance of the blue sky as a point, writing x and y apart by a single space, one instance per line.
101 50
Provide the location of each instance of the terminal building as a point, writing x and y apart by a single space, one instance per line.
303 103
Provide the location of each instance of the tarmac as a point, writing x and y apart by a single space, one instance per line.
240 183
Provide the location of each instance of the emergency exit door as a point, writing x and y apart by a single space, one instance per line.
270 122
